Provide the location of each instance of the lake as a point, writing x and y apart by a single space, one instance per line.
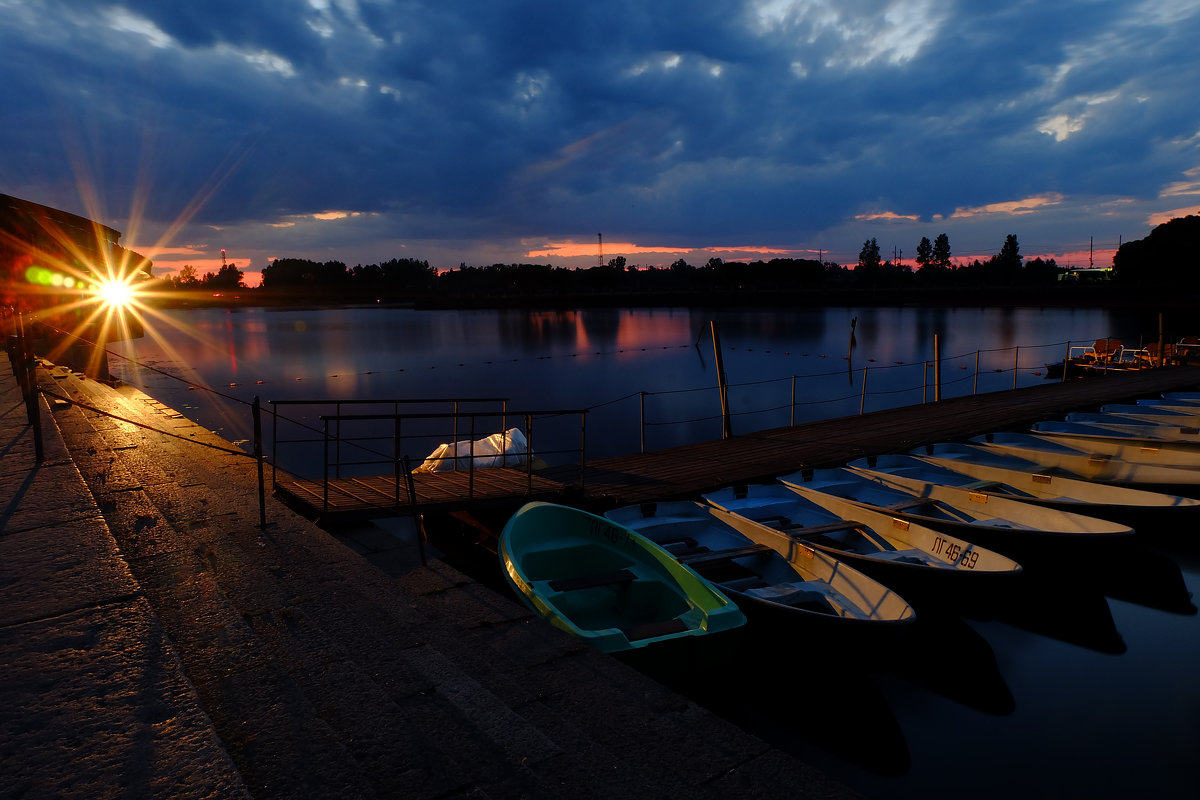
1080 684
781 366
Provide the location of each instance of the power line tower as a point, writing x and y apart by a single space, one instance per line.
599 249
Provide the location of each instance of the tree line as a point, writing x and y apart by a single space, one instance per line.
1168 254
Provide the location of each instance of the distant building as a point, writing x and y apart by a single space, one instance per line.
51 261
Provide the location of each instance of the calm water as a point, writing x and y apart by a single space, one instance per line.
781 366
1082 684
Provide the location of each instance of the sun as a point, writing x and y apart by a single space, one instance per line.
115 293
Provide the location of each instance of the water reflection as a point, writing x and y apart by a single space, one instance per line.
602 359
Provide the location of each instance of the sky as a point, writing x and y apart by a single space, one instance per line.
568 133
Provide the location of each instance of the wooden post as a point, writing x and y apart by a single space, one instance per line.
925 382
862 403
792 415
1016 363
258 457
722 386
975 387
937 370
643 420
1066 361
1160 339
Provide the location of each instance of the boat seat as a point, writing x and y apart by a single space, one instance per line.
591 581
651 629
792 593
908 556
714 556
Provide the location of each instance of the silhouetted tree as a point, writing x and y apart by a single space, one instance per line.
941 251
1170 255
869 263
924 252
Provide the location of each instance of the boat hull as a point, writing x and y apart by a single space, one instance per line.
605 583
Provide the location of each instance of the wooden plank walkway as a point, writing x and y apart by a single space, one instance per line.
689 470
436 491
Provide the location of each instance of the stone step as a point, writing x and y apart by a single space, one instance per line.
326 677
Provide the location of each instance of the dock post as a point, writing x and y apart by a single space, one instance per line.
792 416
723 387
642 421
1160 339
863 400
937 370
975 387
1016 364
258 458
325 483
925 382
1066 361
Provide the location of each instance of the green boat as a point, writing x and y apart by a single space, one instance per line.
605 583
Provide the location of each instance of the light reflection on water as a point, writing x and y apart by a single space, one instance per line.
1065 692
601 359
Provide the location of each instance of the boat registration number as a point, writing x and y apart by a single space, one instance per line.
619 537
955 553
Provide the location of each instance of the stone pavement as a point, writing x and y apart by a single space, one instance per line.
156 642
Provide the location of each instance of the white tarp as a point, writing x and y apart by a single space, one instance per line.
498 450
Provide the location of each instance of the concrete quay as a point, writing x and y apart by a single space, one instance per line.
156 642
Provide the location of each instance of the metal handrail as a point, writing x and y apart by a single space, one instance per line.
397 457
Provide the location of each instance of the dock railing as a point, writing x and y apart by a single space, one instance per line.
309 433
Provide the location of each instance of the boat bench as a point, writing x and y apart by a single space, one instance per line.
714 556
652 629
591 581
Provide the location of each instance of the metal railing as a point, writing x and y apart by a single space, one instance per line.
339 429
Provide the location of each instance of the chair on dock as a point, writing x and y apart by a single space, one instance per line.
1104 351
1148 356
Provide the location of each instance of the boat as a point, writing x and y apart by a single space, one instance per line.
995 522
604 583
867 538
1107 458
1181 397
763 568
1158 414
1185 434
1001 473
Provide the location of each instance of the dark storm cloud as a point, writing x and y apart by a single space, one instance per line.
769 122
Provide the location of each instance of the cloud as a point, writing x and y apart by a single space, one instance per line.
466 130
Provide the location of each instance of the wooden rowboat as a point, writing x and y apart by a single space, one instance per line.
1097 426
1159 414
598 580
980 467
1117 460
873 541
995 522
1174 431
764 568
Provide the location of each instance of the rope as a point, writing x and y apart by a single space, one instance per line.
145 426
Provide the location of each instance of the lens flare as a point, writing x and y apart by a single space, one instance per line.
115 294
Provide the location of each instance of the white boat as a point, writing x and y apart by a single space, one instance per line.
761 567
1188 434
870 539
1160 414
1116 460
971 514
1002 473
1192 398
1143 436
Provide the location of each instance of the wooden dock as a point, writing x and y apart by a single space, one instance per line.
689 470
435 491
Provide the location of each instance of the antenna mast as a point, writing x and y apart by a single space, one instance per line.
599 249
